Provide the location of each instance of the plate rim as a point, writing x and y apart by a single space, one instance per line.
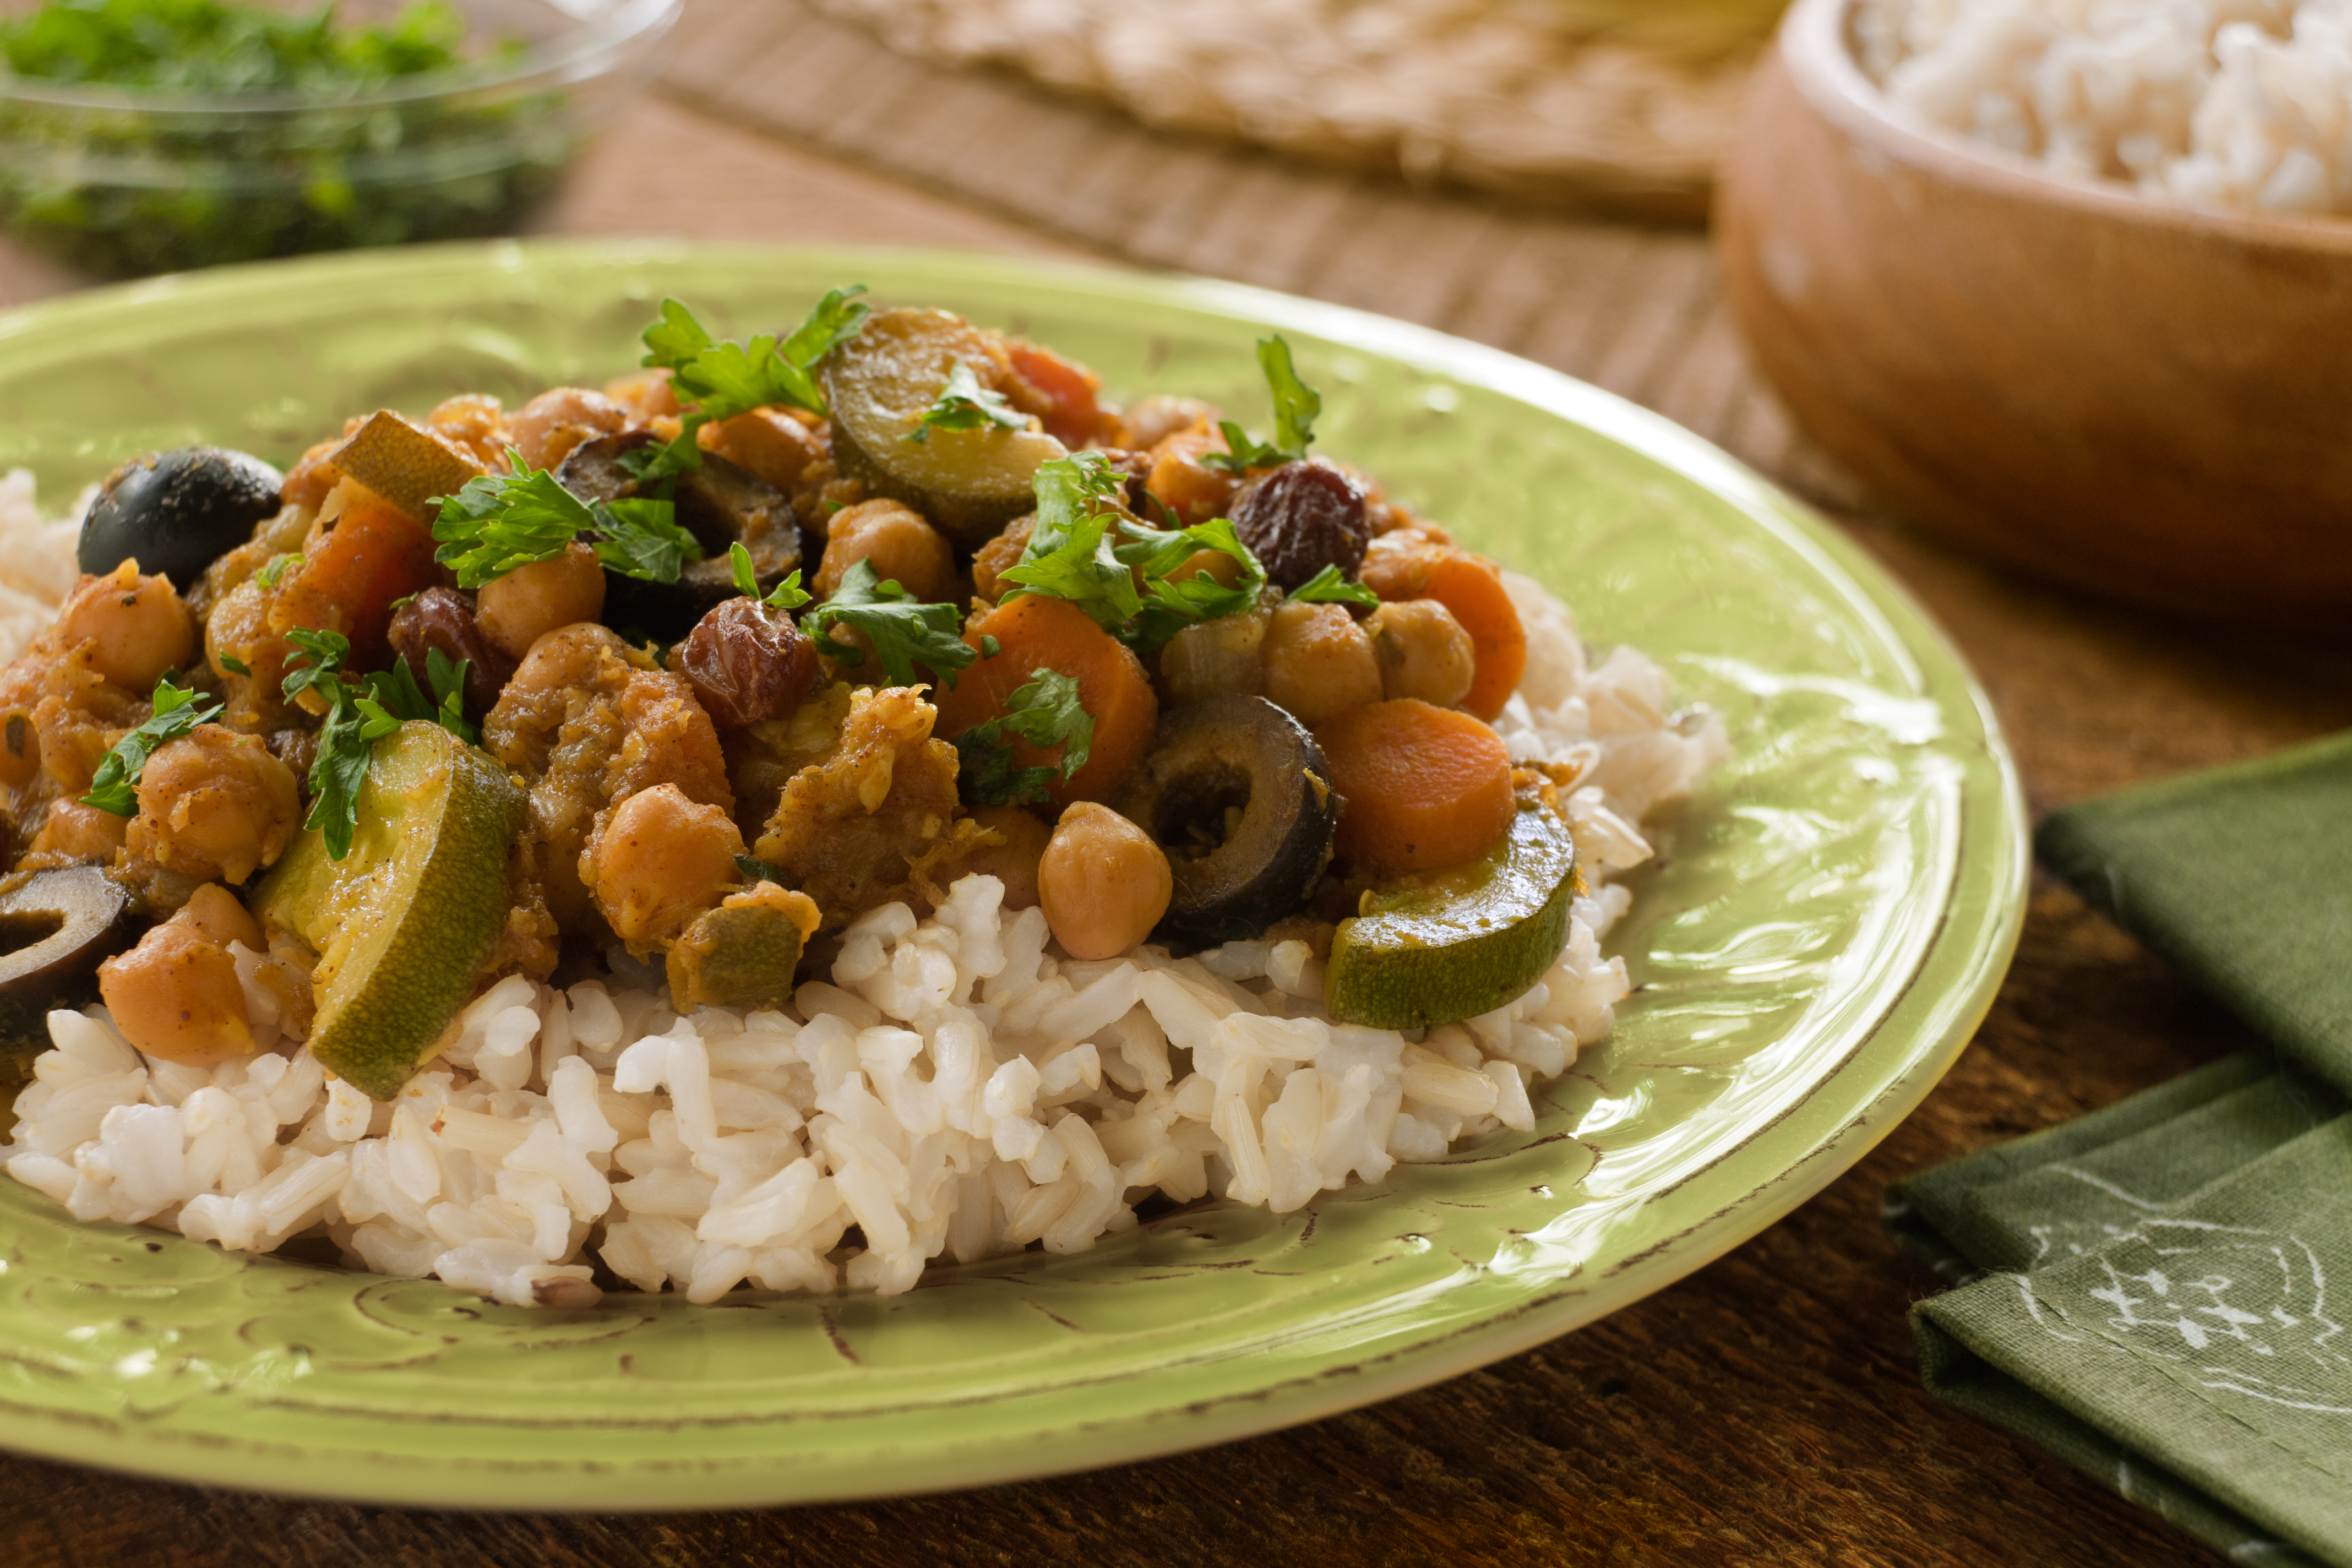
1967 954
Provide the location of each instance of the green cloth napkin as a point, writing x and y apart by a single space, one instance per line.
2160 1294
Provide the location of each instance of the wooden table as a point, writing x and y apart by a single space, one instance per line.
1766 1410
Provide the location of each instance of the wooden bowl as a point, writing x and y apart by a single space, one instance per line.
2065 376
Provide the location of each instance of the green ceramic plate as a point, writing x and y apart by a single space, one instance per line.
1826 925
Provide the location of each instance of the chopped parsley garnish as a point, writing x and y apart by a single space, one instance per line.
1072 556
501 521
721 380
234 665
787 595
274 569
393 693
114 788
965 405
1327 587
359 715
1069 554
760 870
1169 607
1046 712
1296 404
903 631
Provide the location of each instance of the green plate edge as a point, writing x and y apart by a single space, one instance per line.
83 1311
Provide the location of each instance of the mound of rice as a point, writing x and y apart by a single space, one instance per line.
2241 103
959 1089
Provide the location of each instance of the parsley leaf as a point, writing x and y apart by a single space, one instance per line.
1070 556
903 632
318 662
721 380
395 693
1169 607
498 522
234 665
643 539
274 569
1295 406
358 717
1045 713
114 788
965 405
346 741
787 595
1327 587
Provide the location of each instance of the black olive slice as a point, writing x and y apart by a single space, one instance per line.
1237 793
177 511
720 503
56 927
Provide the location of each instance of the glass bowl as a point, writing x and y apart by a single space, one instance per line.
121 181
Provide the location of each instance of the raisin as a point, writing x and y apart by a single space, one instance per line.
297 749
1299 519
747 663
444 618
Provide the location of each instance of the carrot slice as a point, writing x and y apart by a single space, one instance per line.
1472 588
1067 392
1033 633
1426 787
346 583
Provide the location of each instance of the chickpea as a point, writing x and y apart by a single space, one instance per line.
1194 491
1318 662
768 443
1212 657
213 911
73 833
475 424
661 860
175 997
518 609
139 624
1155 418
646 395
1103 882
550 426
1013 862
1423 652
213 803
1000 555
900 544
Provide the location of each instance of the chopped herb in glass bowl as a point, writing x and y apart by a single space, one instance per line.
143 136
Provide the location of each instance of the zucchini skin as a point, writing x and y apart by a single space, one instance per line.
1421 958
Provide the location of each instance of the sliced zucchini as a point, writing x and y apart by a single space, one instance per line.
404 463
401 923
969 483
1461 943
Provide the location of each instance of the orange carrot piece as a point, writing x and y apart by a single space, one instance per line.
374 554
1194 491
1426 787
1472 588
1067 392
1031 634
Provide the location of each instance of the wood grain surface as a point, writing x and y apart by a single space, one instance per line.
1765 1410
2134 395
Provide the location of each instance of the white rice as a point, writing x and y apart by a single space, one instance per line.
959 1089
36 563
2220 103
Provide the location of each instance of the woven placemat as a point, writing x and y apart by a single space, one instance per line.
1627 103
